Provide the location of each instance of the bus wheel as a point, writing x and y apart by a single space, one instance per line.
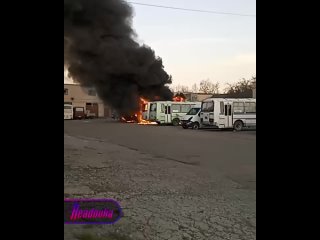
238 125
196 126
175 122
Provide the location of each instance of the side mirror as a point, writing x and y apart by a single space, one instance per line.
199 114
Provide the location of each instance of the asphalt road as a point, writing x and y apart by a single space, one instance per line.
213 168
227 152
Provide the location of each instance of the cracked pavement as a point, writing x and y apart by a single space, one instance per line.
171 183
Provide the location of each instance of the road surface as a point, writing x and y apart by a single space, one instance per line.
172 183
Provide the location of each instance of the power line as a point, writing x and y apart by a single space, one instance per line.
193 10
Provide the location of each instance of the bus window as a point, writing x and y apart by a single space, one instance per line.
204 107
221 108
238 107
250 107
153 107
185 108
176 108
162 108
210 107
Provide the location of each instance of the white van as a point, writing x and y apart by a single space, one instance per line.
192 119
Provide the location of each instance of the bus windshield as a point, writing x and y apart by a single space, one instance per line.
193 111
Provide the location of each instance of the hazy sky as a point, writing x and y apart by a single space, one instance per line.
196 46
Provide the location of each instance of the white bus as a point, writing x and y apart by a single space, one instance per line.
235 113
68 111
169 112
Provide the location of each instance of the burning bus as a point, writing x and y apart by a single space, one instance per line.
140 117
160 112
145 106
169 112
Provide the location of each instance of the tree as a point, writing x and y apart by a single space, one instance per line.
242 88
181 88
215 88
194 88
208 87
184 89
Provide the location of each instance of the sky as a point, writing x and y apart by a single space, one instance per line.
195 46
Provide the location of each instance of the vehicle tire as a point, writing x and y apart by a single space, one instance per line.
196 126
238 125
175 122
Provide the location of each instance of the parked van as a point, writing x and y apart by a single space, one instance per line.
79 113
192 119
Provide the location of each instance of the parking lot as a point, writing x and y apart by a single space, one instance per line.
172 183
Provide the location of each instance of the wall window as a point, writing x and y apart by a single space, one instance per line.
92 92
91 104
66 92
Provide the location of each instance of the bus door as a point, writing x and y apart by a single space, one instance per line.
167 113
228 115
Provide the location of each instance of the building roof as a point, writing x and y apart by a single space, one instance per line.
72 84
230 99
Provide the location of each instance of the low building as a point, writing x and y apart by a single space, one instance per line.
197 97
87 98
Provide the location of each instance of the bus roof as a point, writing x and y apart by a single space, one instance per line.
174 102
230 99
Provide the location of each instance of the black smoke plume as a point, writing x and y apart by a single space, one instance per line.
100 51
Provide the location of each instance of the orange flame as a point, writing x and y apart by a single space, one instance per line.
138 115
178 99
142 121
